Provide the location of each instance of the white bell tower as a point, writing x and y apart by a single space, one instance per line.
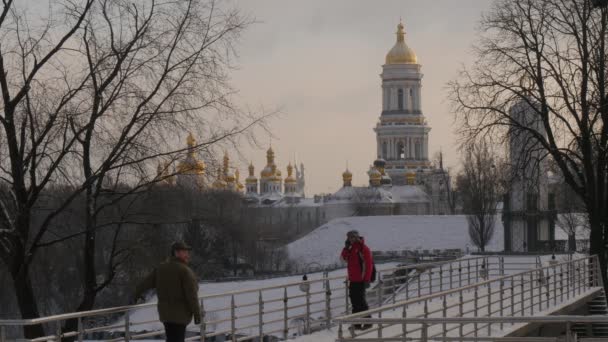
402 133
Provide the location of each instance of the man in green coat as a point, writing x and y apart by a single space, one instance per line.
177 290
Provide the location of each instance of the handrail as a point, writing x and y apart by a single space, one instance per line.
505 319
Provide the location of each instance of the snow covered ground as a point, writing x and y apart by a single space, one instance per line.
388 233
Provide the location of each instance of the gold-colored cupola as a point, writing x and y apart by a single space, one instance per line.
401 53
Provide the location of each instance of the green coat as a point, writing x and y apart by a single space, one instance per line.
177 290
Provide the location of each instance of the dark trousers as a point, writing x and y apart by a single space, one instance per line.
357 296
174 332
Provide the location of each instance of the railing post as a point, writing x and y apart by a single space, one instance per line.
308 309
80 330
445 313
460 314
327 302
404 325
261 315
468 272
379 290
340 332
541 282
285 314
459 273
568 280
451 275
475 307
578 274
512 296
430 281
561 282
502 298
568 332
203 326
232 319
419 277
489 307
531 293
2 333
424 333
554 286
346 295
440 278
522 295
501 260
127 328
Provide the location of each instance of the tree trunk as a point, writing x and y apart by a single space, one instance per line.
27 301
596 242
572 242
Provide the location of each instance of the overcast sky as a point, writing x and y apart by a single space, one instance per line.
319 61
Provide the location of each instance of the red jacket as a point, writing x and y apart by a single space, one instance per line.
359 260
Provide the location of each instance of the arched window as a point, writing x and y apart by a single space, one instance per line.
400 99
401 150
384 150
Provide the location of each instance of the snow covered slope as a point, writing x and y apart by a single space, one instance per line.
388 233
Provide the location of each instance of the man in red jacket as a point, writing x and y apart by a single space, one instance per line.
359 260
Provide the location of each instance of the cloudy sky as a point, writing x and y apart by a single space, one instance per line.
319 62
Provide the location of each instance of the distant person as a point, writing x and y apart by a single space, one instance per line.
177 290
359 260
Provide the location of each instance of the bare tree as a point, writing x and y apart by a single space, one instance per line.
480 190
550 54
92 102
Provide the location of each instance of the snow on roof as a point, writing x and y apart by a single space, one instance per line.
392 194
409 194
388 233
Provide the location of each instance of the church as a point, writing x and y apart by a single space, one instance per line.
401 180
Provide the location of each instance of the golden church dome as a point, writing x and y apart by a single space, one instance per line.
251 179
191 165
347 175
219 182
410 178
401 53
289 179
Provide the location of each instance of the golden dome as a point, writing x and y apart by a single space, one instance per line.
191 167
375 177
251 179
347 175
190 140
289 179
226 162
401 53
270 155
410 178
266 172
230 177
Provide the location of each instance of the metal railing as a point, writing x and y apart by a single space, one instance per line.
519 294
564 332
283 310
